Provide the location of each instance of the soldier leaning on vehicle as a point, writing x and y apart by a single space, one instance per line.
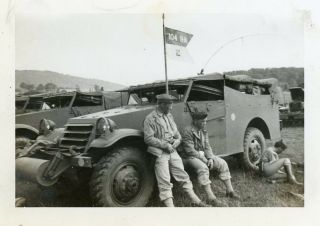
162 137
198 157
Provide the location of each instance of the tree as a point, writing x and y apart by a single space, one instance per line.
40 87
23 85
96 88
26 86
50 86
77 88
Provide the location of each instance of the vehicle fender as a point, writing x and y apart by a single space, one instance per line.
25 128
111 138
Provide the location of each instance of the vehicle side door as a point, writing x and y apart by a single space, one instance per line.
203 98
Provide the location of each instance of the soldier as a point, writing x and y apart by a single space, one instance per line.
198 157
162 137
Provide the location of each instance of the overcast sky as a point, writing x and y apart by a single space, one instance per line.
128 48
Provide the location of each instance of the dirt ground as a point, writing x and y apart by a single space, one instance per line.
254 190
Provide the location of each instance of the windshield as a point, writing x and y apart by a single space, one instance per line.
149 95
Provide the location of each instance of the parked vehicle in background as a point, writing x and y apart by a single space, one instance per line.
294 113
58 107
109 145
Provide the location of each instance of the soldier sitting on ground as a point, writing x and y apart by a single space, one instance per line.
162 137
270 163
198 157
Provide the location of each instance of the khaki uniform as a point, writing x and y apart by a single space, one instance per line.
193 143
160 130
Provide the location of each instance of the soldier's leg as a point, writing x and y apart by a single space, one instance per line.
162 172
181 176
222 167
202 171
269 169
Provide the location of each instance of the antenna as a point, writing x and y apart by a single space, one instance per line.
225 44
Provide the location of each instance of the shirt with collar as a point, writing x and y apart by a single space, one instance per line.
160 130
195 140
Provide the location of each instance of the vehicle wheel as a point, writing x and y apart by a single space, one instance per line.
254 143
21 144
122 178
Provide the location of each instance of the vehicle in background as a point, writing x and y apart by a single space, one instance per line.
58 107
293 114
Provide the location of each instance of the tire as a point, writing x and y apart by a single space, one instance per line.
21 144
254 143
122 178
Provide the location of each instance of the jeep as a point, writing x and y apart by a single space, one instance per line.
109 145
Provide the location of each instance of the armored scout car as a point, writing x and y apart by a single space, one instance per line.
109 144
58 107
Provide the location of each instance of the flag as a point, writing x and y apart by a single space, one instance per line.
176 43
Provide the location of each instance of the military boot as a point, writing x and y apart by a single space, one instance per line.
168 202
195 201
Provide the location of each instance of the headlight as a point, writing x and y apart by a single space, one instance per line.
104 125
45 126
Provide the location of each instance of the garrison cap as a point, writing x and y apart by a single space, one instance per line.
165 98
199 115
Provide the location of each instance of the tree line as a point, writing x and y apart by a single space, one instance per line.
287 76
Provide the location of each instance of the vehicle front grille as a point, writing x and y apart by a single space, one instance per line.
77 135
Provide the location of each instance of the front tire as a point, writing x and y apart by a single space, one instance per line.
122 178
254 144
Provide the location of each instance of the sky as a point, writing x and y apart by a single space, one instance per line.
128 48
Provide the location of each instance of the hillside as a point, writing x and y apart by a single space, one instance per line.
35 78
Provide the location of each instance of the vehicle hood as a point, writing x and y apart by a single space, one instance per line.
120 112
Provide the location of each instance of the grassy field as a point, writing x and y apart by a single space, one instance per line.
254 190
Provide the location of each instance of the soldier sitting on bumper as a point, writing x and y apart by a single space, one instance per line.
162 137
197 156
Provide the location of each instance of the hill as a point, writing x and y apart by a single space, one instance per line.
67 82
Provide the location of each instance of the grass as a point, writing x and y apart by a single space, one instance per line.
254 190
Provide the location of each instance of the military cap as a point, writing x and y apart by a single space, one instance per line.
199 115
165 98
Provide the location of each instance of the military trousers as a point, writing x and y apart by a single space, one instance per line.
164 165
202 171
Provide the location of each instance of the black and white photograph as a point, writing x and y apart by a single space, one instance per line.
199 110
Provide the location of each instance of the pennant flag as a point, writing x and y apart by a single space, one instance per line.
177 42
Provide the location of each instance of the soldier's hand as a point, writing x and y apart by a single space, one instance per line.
201 154
176 143
210 163
170 149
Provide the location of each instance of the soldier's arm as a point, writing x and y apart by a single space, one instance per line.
207 148
188 144
150 139
176 133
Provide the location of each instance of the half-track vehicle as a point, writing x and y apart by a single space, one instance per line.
58 107
109 145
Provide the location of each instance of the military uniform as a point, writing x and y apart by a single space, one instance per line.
196 151
160 131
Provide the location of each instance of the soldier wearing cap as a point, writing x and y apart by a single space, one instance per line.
162 137
198 157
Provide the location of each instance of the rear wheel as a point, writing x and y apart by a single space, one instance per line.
254 144
122 178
